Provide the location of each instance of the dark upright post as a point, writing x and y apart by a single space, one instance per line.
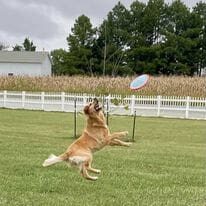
107 112
134 124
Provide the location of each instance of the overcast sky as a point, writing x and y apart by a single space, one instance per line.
48 22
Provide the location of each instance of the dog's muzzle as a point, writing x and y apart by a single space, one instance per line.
97 107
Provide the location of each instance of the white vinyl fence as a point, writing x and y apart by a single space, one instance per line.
161 106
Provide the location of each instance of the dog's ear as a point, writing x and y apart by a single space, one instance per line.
86 109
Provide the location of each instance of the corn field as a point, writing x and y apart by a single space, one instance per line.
168 86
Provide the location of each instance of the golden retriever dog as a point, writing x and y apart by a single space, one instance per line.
95 136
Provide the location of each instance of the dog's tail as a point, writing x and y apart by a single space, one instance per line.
53 159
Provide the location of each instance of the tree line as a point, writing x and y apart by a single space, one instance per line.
27 45
154 38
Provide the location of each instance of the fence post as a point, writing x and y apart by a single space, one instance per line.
75 117
62 100
132 104
187 107
158 104
23 99
5 98
84 99
42 100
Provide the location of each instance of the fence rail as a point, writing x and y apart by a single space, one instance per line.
161 106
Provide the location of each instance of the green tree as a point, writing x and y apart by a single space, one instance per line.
113 42
155 38
28 45
199 12
63 63
59 66
181 34
17 48
136 15
146 35
80 43
178 15
3 46
174 55
154 21
145 59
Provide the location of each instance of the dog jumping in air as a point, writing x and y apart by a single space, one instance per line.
95 136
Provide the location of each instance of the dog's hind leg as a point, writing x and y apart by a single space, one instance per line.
89 168
84 172
83 163
94 170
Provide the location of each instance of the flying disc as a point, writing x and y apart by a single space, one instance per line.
139 82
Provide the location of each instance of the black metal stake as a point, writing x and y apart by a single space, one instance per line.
103 102
107 112
75 117
134 124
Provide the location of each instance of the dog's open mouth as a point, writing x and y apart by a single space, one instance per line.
97 107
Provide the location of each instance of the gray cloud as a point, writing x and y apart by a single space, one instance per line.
20 19
48 22
95 9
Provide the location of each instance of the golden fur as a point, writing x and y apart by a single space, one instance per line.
96 135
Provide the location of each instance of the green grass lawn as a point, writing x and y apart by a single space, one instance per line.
165 166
